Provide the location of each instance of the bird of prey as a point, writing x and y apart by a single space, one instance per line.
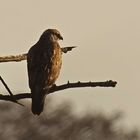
44 64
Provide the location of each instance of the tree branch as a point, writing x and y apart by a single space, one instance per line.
18 58
5 85
13 58
55 88
10 92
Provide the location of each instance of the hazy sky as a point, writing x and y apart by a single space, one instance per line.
107 33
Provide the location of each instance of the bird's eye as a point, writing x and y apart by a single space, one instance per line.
56 34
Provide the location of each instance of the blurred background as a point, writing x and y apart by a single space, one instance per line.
107 34
61 124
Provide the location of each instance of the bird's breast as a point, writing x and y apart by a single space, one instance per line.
55 64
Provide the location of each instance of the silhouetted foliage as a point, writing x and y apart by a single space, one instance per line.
18 123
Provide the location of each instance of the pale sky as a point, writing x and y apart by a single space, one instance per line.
107 33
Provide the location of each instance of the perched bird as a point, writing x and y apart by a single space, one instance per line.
44 64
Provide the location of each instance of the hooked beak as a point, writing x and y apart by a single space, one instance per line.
60 37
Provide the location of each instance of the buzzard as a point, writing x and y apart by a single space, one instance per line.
44 64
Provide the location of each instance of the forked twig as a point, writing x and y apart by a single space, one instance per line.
5 85
9 91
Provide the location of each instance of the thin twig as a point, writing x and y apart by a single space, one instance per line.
55 88
18 58
5 85
10 92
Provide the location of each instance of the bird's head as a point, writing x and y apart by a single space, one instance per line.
52 35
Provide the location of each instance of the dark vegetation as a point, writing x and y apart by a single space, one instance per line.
18 123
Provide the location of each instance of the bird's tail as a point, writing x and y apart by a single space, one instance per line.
38 100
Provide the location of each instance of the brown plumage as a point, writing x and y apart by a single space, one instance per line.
44 63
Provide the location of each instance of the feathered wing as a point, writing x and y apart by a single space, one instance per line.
43 69
36 79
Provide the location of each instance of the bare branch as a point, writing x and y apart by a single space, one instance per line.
55 88
10 92
66 49
18 58
13 58
5 85
79 84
